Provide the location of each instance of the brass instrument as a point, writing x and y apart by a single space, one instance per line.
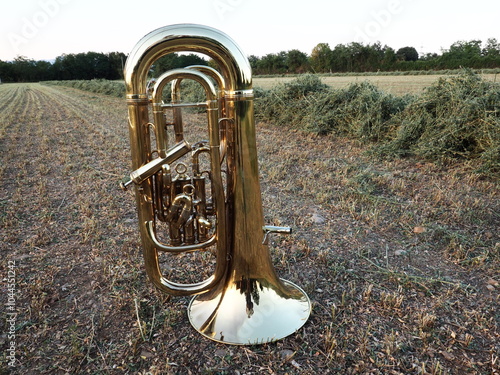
183 209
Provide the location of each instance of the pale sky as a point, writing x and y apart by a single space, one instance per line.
45 29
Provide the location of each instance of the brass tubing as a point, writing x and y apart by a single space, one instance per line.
150 168
176 104
153 240
151 256
200 202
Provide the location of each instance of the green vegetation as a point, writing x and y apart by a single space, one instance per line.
457 117
80 66
348 58
99 86
360 110
359 58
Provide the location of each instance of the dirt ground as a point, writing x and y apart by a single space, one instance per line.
400 258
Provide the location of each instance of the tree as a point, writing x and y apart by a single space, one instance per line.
297 61
65 67
359 56
116 64
6 72
466 50
273 63
190 59
407 54
24 69
254 62
173 61
321 58
389 59
341 59
43 70
462 54
492 48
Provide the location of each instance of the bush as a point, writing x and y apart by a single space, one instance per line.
284 103
191 92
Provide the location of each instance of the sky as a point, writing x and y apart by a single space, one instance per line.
45 29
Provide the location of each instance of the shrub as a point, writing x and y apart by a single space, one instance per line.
458 116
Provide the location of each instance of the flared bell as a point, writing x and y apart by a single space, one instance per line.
248 312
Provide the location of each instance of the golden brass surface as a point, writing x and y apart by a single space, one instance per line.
183 207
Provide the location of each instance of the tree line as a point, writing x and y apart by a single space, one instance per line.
358 57
353 57
84 66
87 65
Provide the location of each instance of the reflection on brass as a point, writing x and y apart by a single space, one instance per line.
184 207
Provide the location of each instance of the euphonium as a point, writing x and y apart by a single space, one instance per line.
183 209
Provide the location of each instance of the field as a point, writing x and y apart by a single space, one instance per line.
394 84
399 257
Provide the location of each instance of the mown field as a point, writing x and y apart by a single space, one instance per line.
399 256
394 84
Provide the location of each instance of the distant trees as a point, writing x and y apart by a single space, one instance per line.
407 54
173 61
353 57
293 61
359 57
87 65
321 58
492 48
470 54
23 69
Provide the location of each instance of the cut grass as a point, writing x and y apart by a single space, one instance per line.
395 84
456 118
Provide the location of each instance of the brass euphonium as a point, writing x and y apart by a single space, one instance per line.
182 210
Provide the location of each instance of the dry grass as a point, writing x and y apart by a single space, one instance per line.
400 258
392 84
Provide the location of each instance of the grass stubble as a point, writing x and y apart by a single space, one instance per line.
399 257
